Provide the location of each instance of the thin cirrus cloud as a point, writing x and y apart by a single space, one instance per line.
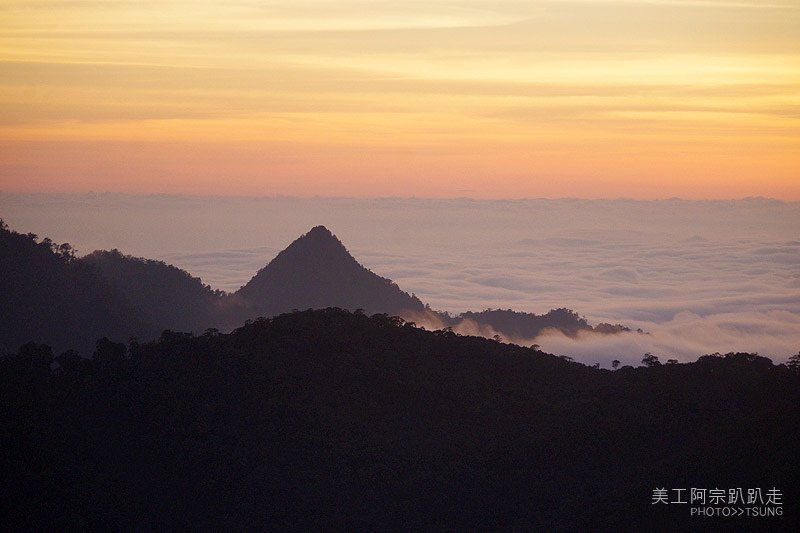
500 99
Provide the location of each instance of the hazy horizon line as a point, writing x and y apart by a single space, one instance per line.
91 193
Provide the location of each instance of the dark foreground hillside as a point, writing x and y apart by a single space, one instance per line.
328 420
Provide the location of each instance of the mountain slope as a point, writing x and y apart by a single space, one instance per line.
317 271
327 420
50 296
169 296
53 297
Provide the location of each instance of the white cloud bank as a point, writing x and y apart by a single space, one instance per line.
699 276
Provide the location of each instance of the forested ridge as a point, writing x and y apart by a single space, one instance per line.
167 295
49 295
336 420
52 295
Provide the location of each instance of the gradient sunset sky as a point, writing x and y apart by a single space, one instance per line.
473 98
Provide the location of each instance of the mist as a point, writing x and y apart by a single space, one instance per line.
697 276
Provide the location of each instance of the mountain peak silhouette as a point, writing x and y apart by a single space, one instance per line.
316 271
318 243
321 232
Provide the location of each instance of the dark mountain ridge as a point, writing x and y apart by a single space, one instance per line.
520 325
69 302
50 296
330 420
158 290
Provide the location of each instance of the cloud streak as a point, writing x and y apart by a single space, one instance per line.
376 98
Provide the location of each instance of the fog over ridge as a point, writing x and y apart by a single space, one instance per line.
700 276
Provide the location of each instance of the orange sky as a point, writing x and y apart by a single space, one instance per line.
479 98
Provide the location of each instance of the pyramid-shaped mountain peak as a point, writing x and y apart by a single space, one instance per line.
319 236
318 248
317 271
320 232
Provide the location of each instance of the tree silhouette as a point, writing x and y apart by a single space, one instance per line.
650 360
330 420
794 363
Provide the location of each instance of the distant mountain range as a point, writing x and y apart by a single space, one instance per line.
53 296
329 419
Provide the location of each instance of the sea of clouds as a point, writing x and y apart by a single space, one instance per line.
698 276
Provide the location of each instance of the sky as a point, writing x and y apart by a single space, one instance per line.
698 276
452 98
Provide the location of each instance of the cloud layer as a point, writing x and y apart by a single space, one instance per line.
700 277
